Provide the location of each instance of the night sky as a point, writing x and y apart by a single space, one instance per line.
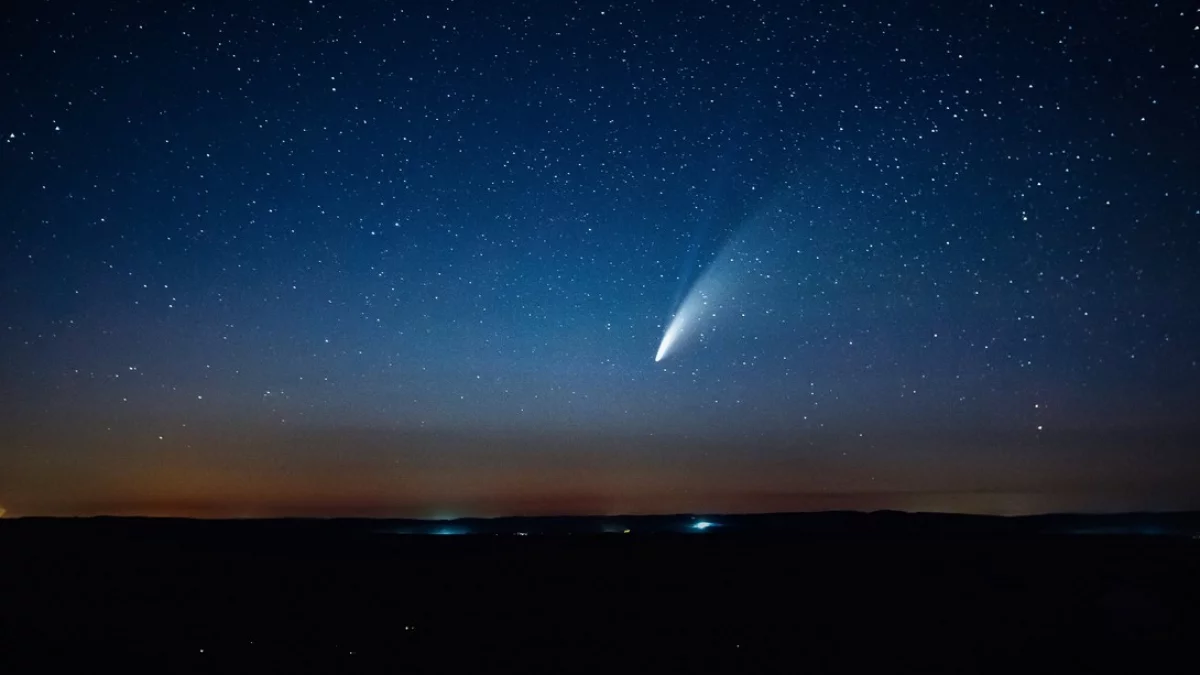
418 258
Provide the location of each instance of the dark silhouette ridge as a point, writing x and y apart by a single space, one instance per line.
763 593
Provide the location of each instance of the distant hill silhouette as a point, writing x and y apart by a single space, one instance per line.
867 592
828 524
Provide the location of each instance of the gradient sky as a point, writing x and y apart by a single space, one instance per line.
416 258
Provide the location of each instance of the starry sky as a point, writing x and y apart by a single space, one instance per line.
416 258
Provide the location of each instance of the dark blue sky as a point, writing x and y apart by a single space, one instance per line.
417 258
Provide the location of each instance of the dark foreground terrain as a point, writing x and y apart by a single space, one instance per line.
860 594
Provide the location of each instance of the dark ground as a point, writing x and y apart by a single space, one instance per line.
174 596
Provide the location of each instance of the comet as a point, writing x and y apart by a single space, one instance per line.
738 282
703 302
686 321
665 345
